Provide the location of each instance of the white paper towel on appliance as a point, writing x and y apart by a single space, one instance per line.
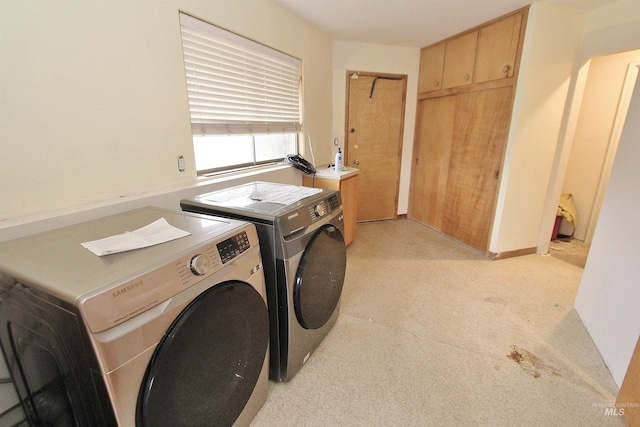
157 232
284 196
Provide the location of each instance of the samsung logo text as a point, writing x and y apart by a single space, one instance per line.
126 289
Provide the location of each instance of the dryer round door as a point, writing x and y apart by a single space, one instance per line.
319 277
205 368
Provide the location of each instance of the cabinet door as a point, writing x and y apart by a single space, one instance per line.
459 59
497 48
349 193
434 129
431 64
479 137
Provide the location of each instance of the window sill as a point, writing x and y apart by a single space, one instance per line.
240 174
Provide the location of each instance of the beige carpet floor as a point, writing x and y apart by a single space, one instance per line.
573 251
433 334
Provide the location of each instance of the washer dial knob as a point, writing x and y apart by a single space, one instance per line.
199 265
320 210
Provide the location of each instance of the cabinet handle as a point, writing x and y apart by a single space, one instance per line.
356 162
352 130
506 68
467 77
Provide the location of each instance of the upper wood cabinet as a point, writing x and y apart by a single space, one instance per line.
497 48
459 57
483 54
431 65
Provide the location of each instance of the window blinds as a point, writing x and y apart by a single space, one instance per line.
237 86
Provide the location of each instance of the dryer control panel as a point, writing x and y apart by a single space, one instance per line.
302 217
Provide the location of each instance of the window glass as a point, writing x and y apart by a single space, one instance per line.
275 147
218 153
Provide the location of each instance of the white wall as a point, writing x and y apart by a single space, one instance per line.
552 39
609 294
168 198
611 29
380 59
94 106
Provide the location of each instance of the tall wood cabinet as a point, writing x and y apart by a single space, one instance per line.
467 85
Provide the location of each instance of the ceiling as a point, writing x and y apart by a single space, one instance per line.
409 23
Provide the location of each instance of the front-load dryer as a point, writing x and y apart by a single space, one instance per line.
168 335
304 255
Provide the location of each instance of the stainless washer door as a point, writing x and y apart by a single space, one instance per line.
205 369
319 277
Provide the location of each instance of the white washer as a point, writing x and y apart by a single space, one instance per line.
172 334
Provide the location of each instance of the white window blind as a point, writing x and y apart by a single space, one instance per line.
237 86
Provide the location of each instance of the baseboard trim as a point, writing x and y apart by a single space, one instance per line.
511 254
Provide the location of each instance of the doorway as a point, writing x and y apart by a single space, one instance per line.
602 114
373 135
567 153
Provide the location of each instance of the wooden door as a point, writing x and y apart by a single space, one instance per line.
480 131
430 170
375 121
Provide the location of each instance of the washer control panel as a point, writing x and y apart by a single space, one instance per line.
228 249
233 246
112 306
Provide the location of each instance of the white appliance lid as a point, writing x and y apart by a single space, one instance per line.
259 197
